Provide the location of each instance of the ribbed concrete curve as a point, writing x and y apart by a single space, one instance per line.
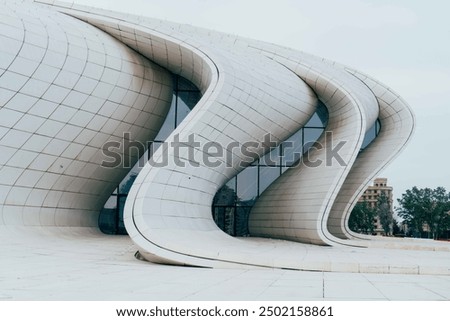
296 206
169 218
66 89
397 126
168 212
390 141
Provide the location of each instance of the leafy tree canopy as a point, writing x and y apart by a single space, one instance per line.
361 218
425 208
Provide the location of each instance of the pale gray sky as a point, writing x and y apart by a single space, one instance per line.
404 44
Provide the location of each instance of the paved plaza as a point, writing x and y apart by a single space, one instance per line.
90 266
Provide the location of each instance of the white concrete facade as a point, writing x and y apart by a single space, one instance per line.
66 89
54 177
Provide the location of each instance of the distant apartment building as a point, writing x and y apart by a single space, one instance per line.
371 196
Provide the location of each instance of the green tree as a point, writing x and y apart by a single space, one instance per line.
425 207
396 228
384 213
361 218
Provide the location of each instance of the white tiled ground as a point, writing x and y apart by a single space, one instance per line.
41 266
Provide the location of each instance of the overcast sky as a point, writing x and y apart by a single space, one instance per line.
404 44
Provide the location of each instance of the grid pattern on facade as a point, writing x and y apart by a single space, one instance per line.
67 88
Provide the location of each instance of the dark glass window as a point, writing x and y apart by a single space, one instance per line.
247 184
292 149
272 158
371 134
266 177
169 123
310 136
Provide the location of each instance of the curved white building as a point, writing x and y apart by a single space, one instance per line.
66 89
73 79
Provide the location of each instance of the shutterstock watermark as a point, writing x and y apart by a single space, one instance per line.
194 152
